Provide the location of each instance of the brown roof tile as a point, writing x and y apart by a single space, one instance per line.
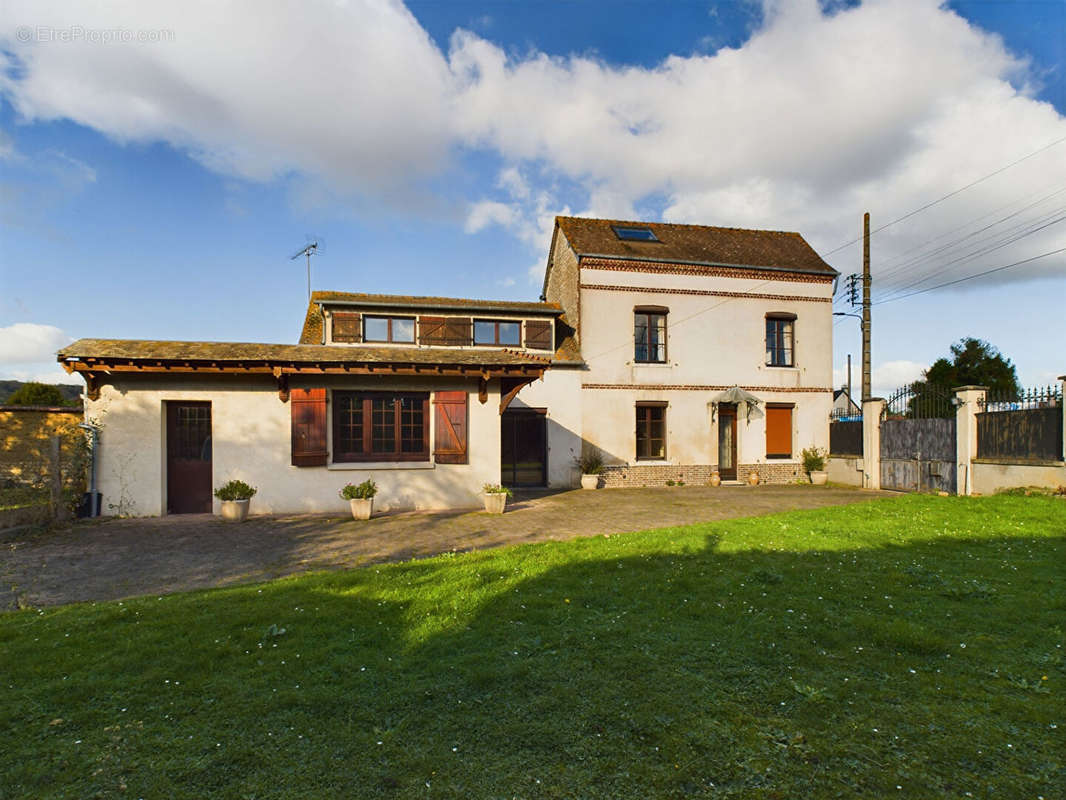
694 244
140 350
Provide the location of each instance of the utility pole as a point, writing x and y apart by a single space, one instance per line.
866 306
849 376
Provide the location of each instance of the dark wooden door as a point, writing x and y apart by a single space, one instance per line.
523 447
727 442
188 458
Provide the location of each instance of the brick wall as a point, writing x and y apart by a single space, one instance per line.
25 441
695 474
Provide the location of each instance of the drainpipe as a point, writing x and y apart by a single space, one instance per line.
94 438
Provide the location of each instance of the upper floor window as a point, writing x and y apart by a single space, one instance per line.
779 340
635 234
388 329
649 334
498 332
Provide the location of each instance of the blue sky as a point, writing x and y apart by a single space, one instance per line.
156 189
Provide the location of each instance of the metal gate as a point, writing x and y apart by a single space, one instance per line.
918 441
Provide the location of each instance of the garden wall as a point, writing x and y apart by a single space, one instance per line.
25 440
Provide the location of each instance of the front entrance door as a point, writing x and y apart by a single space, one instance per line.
188 458
523 447
727 441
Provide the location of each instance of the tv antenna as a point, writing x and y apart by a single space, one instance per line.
311 248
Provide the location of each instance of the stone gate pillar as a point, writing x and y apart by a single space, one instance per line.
968 402
871 442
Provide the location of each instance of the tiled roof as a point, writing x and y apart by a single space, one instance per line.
141 350
694 244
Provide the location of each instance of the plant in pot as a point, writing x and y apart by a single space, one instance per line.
495 497
814 465
591 466
236 496
361 498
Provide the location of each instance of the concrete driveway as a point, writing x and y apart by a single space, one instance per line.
116 558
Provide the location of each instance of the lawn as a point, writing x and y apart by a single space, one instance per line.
908 647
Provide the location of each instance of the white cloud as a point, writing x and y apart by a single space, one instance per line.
29 342
817 117
890 375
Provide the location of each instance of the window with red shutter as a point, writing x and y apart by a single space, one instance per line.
450 423
778 431
308 427
347 326
538 334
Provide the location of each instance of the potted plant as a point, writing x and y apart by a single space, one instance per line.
753 478
236 496
591 466
495 497
814 465
361 498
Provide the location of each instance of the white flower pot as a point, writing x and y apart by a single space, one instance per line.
819 478
590 481
235 510
495 502
362 508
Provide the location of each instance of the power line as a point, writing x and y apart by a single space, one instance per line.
980 252
910 214
971 277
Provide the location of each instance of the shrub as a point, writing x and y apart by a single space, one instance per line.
590 464
813 459
235 490
364 491
495 488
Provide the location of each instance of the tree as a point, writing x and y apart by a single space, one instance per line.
37 394
974 362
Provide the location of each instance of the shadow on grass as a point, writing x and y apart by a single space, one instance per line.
648 665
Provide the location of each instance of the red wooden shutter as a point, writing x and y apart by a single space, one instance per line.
779 431
451 428
308 427
346 326
538 334
431 330
459 330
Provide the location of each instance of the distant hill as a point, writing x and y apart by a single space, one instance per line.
71 391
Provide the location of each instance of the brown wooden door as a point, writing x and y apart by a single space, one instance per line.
188 458
523 447
727 442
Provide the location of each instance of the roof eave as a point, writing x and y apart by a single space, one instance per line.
498 309
828 271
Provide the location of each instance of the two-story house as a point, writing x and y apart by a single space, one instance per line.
641 329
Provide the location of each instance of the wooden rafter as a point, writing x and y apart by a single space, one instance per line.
516 384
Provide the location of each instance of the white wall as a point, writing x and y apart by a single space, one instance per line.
712 340
559 391
251 441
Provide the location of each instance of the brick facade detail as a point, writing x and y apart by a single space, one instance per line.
639 475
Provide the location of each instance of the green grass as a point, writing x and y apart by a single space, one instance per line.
908 647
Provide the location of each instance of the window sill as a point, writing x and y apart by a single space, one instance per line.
649 462
651 364
369 465
780 366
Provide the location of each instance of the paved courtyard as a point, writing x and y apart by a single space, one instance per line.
111 559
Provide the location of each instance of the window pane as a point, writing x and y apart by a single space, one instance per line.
349 420
403 330
640 337
510 333
411 425
657 337
376 329
484 332
383 425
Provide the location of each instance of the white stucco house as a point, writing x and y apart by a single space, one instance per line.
643 335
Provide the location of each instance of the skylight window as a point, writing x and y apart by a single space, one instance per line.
634 234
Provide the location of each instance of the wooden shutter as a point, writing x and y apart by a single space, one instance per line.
347 326
308 427
459 331
538 334
451 428
431 330
779 431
